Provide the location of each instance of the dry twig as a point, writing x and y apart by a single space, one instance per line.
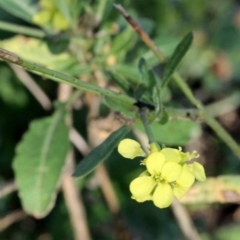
7 188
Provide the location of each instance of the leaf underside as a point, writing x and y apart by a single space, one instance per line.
40 157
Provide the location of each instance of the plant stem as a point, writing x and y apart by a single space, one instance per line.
15 28
219 130
63 78
143 115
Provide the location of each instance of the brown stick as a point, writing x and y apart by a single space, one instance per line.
70 191
74 203
184 221
7 188
146 39
11 218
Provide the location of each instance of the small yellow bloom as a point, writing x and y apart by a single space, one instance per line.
157 185
49 15
167 173
129 148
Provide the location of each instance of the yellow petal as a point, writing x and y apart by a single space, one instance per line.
163 195
42 18
154 147
59 22
129 148
143 199
144 173
155 162
184 182
179 191
141 187
171 154
198 171
171 171
186 178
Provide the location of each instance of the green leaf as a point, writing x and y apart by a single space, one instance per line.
118 105
167 46
128 71
146 76
123 41
37 51
103 9
139 91
176 58
120 80
142 67
153 80
177 132
57 45
164 119
100 153
24 9
39 161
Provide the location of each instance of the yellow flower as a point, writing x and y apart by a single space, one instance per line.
168 173
158 185
49 15
129 148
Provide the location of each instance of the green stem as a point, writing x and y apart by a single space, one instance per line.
101 9
143 115
32 32
63 78
15 28
187 91
218 129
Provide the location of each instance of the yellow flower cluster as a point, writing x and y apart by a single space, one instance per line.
50 15
168 173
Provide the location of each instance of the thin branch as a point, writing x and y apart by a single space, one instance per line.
107 188
11 218
7 188
63 78
30 84
147 40
74 203
79 142
32 32
184 221
70 190
15 28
